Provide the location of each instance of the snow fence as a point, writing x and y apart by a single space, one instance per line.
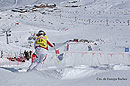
95 58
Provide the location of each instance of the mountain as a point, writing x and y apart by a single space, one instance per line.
7 4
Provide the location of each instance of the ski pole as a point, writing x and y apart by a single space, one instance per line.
56 55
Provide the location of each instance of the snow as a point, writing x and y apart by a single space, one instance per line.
121 67
104 24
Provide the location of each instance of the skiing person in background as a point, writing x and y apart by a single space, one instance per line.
41 48
26 54
89 48
28 57
30 54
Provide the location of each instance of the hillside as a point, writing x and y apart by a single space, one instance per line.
92 35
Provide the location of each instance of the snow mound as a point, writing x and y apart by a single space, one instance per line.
78 72
121 67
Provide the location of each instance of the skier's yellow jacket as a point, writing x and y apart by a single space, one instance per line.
41 41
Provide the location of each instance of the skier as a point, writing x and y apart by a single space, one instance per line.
41 49
89 48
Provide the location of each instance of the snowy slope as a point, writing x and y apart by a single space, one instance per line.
40 78
69 23
125 5
104 22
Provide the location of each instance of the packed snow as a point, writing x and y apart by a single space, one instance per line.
93 37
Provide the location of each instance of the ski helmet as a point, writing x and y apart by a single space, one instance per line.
41 32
